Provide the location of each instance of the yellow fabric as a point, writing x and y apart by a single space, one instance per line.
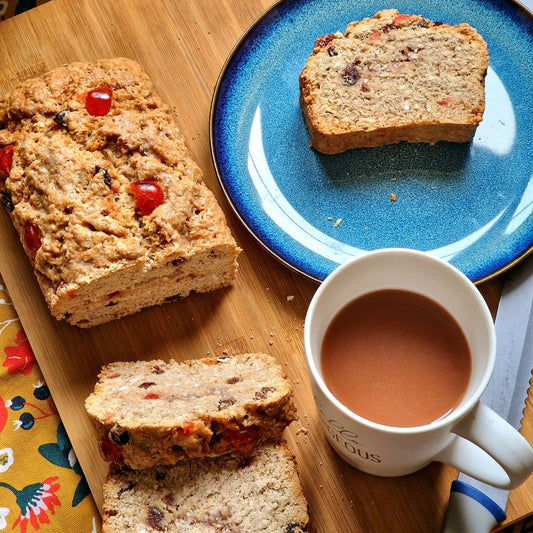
42 486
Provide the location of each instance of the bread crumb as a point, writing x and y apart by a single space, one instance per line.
392 197
290 297
337 222
301 429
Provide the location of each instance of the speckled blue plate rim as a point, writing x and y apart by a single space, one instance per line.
278 186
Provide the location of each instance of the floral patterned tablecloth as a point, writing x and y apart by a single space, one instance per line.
42 486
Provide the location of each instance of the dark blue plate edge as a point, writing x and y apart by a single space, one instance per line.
212 120
212 113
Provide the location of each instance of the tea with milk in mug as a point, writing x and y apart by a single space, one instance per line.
397 358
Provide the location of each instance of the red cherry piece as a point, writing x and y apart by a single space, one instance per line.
400 19
149 195
151 396
242 440
32 239
187 429
6 160
98 101
109 451
324 40
70 293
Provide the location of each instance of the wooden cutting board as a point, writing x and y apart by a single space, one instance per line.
183 44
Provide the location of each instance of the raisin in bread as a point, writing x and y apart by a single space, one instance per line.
259 492
394 78
110 207
149 413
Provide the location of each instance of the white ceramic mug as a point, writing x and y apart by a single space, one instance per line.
472 438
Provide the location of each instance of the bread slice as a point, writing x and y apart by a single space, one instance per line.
393 78
111 208
257 493
150 413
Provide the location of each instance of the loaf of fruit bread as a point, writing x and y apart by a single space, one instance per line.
258 492
110 207
393 78
148 413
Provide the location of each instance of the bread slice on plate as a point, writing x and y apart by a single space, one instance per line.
256 493
148 413
392 78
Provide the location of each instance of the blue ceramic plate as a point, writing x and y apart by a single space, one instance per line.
470 204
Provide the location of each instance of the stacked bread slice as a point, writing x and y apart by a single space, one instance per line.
197 446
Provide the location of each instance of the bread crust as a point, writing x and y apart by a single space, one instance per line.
394 78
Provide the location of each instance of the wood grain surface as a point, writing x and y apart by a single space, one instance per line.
183 44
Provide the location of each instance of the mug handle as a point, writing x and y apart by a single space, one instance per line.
489 449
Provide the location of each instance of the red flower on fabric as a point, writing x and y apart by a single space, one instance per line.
3 414
35 501
19 358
